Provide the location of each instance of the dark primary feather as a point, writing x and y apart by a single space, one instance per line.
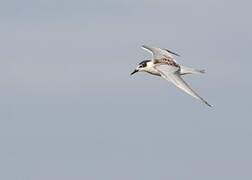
172 52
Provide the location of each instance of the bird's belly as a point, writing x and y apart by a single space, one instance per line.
154 72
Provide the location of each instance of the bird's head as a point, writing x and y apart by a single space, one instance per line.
141 66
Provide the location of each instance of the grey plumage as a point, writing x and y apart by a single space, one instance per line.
163 64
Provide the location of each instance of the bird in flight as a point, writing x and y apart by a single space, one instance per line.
163 64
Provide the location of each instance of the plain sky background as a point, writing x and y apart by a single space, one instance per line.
70 110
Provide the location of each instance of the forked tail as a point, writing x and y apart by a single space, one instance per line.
187 70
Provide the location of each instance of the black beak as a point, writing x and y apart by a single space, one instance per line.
134 72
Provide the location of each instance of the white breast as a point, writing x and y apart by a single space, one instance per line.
150 69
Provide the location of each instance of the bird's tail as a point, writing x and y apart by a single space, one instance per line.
187 70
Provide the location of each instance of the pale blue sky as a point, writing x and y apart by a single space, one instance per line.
70 110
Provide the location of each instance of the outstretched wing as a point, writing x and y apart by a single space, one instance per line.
171 73
159 54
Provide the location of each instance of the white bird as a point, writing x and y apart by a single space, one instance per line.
163 64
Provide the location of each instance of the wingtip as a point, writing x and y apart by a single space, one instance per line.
176 54
208 104
202 71
144 46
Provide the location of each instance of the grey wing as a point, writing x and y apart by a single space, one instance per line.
159 54
171 73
